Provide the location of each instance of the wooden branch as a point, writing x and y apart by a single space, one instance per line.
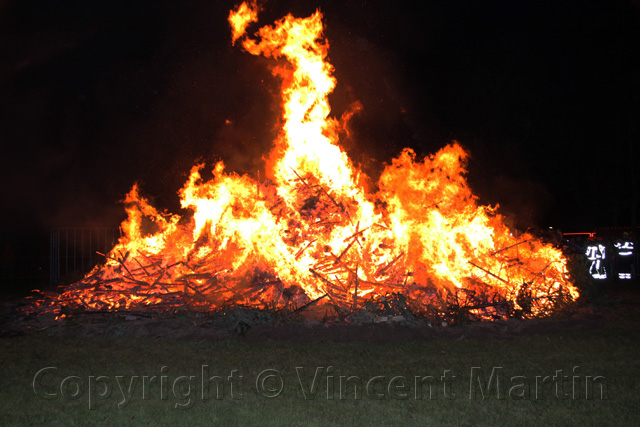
309 304
301 251
325 222
355 292
343 265
324 264
325 280
333 200
186 277
276 205
127 312
304 181
122 263
344 251
358 233
141 266
384 269
489 273
492 304
188 285
509 247
162 272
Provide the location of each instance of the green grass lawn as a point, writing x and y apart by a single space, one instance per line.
110 380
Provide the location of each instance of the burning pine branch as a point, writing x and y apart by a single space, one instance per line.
311 232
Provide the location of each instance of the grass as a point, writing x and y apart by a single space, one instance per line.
113 378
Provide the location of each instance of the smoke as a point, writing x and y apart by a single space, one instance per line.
122 97
524 202
393 112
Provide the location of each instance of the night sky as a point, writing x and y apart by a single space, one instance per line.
97 95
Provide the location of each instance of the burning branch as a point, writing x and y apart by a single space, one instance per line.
382 271
510 246
489 273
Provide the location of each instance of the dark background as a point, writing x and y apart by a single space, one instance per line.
97 95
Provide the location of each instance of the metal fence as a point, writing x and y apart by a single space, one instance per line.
73 251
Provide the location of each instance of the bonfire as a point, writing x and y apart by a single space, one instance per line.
309 234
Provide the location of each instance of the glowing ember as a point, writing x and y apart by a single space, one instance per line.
311 230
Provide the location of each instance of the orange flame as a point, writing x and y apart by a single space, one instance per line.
241 18
313 227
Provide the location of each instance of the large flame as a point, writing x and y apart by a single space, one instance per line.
311 227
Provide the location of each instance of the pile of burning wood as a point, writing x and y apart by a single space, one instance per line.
146 285
311 235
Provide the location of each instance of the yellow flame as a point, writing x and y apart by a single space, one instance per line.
241 18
